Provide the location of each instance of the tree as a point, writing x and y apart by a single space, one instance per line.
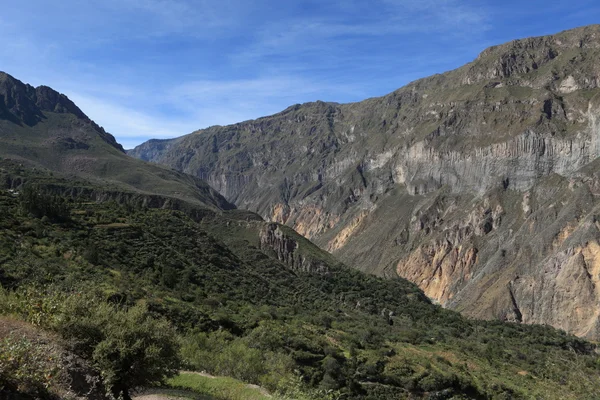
128 347
333 377
137 350
34 201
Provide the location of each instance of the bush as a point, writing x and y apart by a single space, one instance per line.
27 368
221 354
127 346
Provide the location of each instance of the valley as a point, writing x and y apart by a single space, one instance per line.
479 184
440 242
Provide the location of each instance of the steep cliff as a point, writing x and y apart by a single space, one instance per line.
478 184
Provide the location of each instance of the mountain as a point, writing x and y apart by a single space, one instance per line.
48 142
115 272
480 185
43 128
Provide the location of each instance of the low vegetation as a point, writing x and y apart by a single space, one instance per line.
127 346
141 293
27 366
218 388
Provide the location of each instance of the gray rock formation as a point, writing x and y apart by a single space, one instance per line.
286 249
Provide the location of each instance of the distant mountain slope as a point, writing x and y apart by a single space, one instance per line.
478 184
43 128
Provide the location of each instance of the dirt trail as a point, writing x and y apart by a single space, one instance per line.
169 394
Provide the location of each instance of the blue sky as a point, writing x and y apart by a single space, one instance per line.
162 68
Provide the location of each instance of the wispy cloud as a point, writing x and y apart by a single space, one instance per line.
381 32
249 93
219 102
160 68
449 12
181 17
188 106
129 122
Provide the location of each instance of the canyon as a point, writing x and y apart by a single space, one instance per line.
480 185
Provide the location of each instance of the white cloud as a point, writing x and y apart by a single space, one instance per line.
392 20
126 122
260 90
213 102
97 53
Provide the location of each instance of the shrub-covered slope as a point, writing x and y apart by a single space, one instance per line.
255 301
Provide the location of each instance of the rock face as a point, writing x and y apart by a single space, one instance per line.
286 249
478 184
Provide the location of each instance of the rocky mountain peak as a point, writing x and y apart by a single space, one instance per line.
17 101
47 99
22 103
524 56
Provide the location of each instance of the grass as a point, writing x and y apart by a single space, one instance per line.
114 225
221 388
172 394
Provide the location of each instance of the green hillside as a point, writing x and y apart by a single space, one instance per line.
239 311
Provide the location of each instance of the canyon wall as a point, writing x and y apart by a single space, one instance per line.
479 184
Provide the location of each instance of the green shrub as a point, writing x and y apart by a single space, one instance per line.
136 350
26 367
221 354
127 346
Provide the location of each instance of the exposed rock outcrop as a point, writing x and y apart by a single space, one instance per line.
287 250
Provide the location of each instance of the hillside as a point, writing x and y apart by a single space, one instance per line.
126 285
255 301
43 128
479 184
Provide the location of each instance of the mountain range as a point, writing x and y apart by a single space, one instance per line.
306 251
480 184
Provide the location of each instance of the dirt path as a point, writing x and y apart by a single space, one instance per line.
169 394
